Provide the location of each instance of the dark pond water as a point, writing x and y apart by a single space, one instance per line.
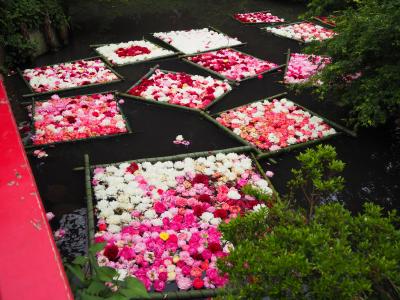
373 158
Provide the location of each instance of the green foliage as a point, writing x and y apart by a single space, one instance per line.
256 192
368 42
335 256
89 281
327 7
317 176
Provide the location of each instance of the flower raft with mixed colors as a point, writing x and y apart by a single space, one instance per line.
273 125
232 64
132 51
68 75
303 31
160 220
258 17
183 89
302 67
197 40
78 117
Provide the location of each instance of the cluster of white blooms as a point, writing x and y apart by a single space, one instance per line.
197 40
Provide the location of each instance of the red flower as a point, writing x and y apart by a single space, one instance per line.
71 119
111 252
221 213
159 207
200 178
198 283
198 210
214 247
204 198
102 226
133 167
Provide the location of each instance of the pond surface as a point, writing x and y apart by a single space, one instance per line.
373 158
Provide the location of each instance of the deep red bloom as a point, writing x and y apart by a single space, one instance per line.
198 210
221 213
198 283
102 226
214 247
200 178
133 167
111 252
132 51
204 198
71 119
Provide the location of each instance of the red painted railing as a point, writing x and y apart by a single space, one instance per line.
30 265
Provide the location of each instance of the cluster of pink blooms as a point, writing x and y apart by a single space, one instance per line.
183 89
77 117
304 31
160 220
258 17
303 66
232 64
273 125
68 75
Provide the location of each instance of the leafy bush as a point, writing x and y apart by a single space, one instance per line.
335 256
367 44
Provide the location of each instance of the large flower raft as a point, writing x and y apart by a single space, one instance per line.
159 220
69 75
257 17
182 89
232 64
77 117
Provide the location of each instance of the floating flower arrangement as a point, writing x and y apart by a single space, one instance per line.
257 17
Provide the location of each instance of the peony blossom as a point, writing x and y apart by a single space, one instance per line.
301 67
258 17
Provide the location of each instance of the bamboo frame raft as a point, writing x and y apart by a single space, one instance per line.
128 127
200 52
107 65
192 294
264 154
156 58
151 72
185 59
258 23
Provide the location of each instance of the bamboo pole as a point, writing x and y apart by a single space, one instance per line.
89 201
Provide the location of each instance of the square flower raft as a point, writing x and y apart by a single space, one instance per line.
132 52
304 32
232 64
159 217
197 40
301 67
178 89
69 75
258 17
275 125
76 118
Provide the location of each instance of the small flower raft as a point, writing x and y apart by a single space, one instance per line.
258 17
160 220
77 117
132 52
232 64
197 40
304 31
273 125
183 89
301 67
68 75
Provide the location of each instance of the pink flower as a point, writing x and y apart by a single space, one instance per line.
269 174
50 216
184 283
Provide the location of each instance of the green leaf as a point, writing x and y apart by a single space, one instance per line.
96 248
96 287
134 288
76 271
106 273
85 296
80 260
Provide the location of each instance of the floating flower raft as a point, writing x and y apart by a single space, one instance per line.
301 67
257 17
181 89
232 64
69 75
77 118
302 31
197 40
132 52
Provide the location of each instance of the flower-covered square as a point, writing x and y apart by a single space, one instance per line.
301 67
258 17
68 75
160 220
197 40
132 52
183 89
232 64
78 117
304 31
274 125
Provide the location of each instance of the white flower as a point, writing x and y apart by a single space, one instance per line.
207 216
114 228
150 214
259 207
233 194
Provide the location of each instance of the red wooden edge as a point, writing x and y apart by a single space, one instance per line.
30 265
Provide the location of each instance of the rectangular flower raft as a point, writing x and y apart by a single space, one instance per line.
197 40
300 68
132 52
179 89
232 64
276 125
68 75
160 216
76 118
259 17
304 32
